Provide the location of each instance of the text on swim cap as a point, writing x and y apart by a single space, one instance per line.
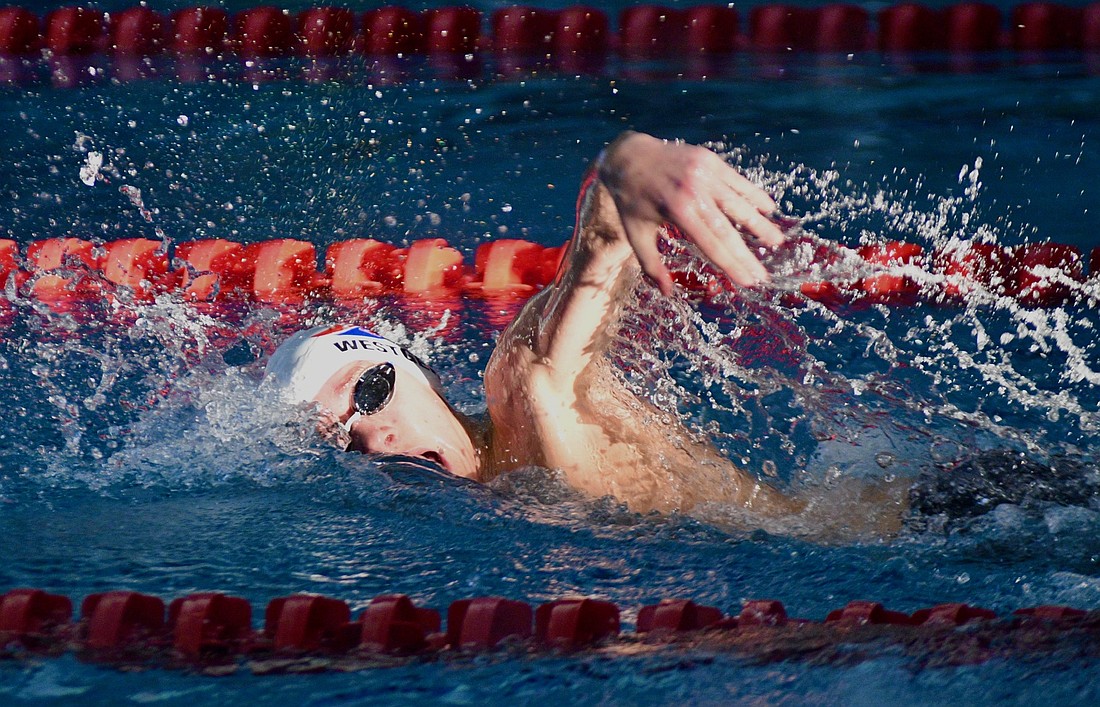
381 346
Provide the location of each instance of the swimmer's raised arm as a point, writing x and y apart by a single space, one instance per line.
640 183
551 404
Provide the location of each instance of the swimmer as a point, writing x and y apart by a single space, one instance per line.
553 399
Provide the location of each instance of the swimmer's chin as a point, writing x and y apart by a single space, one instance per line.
420 464
428 459
428 456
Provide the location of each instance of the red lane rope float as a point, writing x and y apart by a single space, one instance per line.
643 30
74 31
326 31
138 31
275 271
199 30
262 32
284 270
19 31
392 30
1035 275
211 628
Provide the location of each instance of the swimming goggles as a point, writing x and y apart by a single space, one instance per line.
372 392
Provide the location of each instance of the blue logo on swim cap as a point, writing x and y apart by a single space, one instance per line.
359 331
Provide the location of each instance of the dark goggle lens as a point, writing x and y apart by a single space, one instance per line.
374 389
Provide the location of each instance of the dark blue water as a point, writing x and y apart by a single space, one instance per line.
138 450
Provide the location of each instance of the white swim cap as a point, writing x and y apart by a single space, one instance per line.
303 363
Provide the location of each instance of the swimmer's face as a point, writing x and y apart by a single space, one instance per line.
414 422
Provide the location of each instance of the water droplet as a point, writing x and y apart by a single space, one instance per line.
945 451
769 468
885 460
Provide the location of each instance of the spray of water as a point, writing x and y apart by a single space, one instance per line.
800 393
787 388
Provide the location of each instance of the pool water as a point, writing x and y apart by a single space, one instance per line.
140 452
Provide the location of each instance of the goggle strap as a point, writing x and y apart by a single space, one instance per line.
351 420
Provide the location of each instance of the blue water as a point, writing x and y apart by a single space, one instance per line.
139 451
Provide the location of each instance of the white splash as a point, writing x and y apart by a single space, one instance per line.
134 195
846 385
89 172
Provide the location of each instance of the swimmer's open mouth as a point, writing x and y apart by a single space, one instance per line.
434 457
427 455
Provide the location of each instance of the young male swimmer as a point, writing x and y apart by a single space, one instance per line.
553 400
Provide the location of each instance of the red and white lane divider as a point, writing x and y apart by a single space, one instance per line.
285 271
1035 274
274 271
643 30
211 627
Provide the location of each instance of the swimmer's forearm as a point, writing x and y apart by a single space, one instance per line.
642 182
585 300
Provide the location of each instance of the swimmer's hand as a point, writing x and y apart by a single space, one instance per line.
656 181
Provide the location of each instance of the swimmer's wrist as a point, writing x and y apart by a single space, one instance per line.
600 167
606 166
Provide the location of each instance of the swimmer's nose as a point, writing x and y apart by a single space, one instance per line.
371 439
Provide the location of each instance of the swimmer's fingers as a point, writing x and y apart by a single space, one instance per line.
642 235
746 204
748 220
757 219
710 230
756 196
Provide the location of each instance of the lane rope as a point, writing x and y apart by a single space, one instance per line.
285 270
642 30
212 630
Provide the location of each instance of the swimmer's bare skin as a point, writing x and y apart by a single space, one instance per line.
552 398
